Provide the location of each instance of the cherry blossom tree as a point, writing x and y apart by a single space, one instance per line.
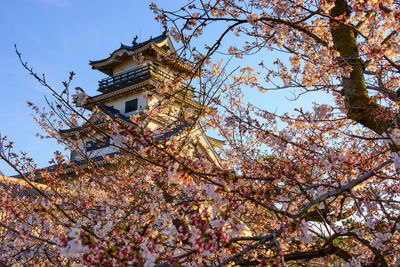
316 188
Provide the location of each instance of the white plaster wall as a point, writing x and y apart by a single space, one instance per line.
128 64
197 134
153 125
119 103
94 153
102 151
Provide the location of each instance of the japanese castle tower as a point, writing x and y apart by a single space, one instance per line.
122 94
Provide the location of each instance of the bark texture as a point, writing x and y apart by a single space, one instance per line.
360 107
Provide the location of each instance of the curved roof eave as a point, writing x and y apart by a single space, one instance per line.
159 40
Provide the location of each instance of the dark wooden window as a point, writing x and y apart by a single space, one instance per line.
93 145
90 145
131 105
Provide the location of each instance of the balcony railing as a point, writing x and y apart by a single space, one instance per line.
131 77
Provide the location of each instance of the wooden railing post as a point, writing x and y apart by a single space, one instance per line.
108 83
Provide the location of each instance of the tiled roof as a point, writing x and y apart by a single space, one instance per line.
135 46
114 113
67 167
216 142
17 187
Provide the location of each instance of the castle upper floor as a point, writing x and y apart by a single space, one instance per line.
130 64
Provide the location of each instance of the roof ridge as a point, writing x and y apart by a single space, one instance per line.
135 46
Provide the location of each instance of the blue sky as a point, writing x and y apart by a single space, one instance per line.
56 37
59 36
